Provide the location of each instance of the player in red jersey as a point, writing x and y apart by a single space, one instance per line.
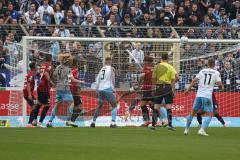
29 84
147 90
75 90
44 86
215 112
144 93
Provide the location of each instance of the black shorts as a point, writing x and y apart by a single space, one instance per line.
44 97
147 96
163 91
31 102
77 100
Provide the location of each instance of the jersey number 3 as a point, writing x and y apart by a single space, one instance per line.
209 79
103 74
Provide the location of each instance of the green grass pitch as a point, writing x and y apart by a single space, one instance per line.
118 144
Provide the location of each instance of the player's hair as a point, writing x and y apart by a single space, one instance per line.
65 58
32 65
164 56
75 62
148 59
48 57
211 62
108 59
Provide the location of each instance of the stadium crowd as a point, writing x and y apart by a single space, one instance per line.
208 19
203 13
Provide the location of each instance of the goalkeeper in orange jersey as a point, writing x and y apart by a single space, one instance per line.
215 112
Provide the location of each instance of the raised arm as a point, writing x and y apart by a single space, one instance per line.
191 85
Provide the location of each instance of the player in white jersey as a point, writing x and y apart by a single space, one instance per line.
203 102
105 82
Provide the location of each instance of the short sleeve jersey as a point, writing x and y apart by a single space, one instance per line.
207 80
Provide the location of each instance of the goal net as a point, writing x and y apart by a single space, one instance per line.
188 56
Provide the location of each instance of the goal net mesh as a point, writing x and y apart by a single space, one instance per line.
188 58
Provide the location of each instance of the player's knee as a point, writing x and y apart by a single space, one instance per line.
215 114
215 111
113 103
77 110
100 104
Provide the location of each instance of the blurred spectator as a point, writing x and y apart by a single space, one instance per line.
137 55
195 11
194 20
180 14
100 21
114 31
46 13
78 50
92 65
58 13
69 15
137 9
204 4
3 9
55 47
126 22
78 12
122 9
95 11
66 4
234 32
220 31
133 14
224 20
114 11
187 6
157 33
212 17
186 51
228 77
145 21
219 63
235 9
31 15
216 11
111 20
135 33
88 21
230 58
166 21
11 13
10 45
236 21
168 12
3 57
149 33
206 22
62 31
